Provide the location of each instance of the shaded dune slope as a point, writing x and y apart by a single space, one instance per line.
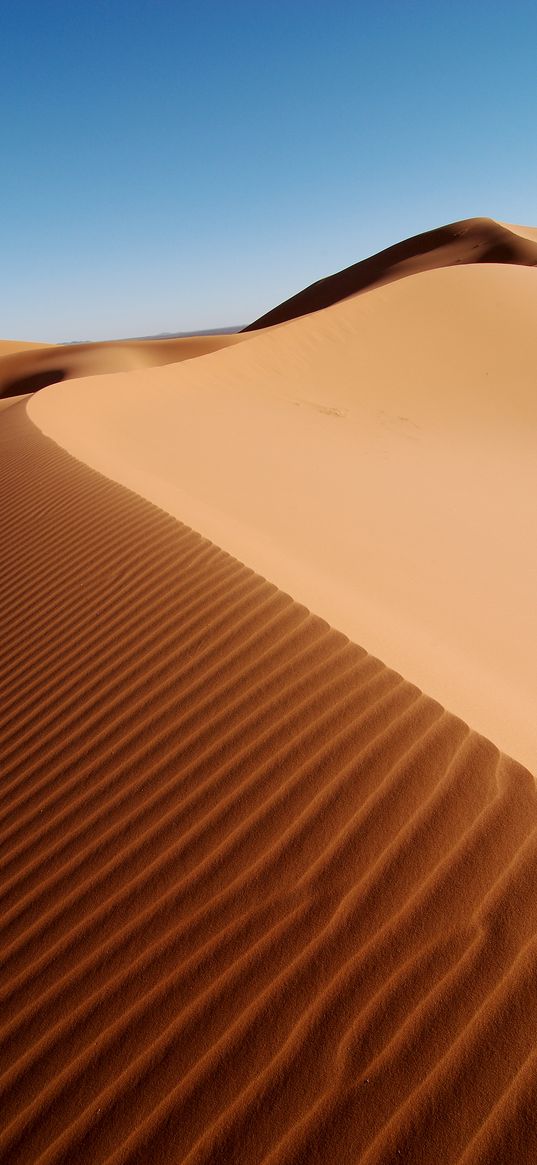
261 899
472 240
28 370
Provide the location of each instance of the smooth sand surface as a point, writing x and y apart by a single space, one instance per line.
261 900
25 368
9 347
524 232
472 240
376 460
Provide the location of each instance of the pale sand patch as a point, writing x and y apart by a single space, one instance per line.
376 460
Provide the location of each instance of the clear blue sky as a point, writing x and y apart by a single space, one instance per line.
170 166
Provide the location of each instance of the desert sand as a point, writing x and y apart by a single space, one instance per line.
473 240
264 900
387 443
25 368
9 347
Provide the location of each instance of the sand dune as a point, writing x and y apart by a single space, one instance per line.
262 900
388 446
9 347
473 240
33 366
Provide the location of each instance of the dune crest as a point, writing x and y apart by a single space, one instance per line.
9 347
472 240
261 898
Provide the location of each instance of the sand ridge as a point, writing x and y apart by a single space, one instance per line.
10 347
261 898
472 240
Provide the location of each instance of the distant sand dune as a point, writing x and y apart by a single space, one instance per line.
473 240
34 367
9 347
261 899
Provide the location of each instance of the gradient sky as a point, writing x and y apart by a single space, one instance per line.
170 166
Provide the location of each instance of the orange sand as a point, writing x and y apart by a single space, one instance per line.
262 900
25 368
9 347
473 240
388 445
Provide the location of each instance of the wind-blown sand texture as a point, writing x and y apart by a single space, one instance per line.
262 900
472 240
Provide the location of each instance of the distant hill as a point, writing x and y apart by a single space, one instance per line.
230 331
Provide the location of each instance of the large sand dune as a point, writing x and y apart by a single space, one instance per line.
375 459
472 240
262 900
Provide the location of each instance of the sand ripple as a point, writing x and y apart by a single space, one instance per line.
261 899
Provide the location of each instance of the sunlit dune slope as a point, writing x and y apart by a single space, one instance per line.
473 240
27 371
261 899
9 347
524 232
376 460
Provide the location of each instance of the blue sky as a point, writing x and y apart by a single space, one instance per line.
170 166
